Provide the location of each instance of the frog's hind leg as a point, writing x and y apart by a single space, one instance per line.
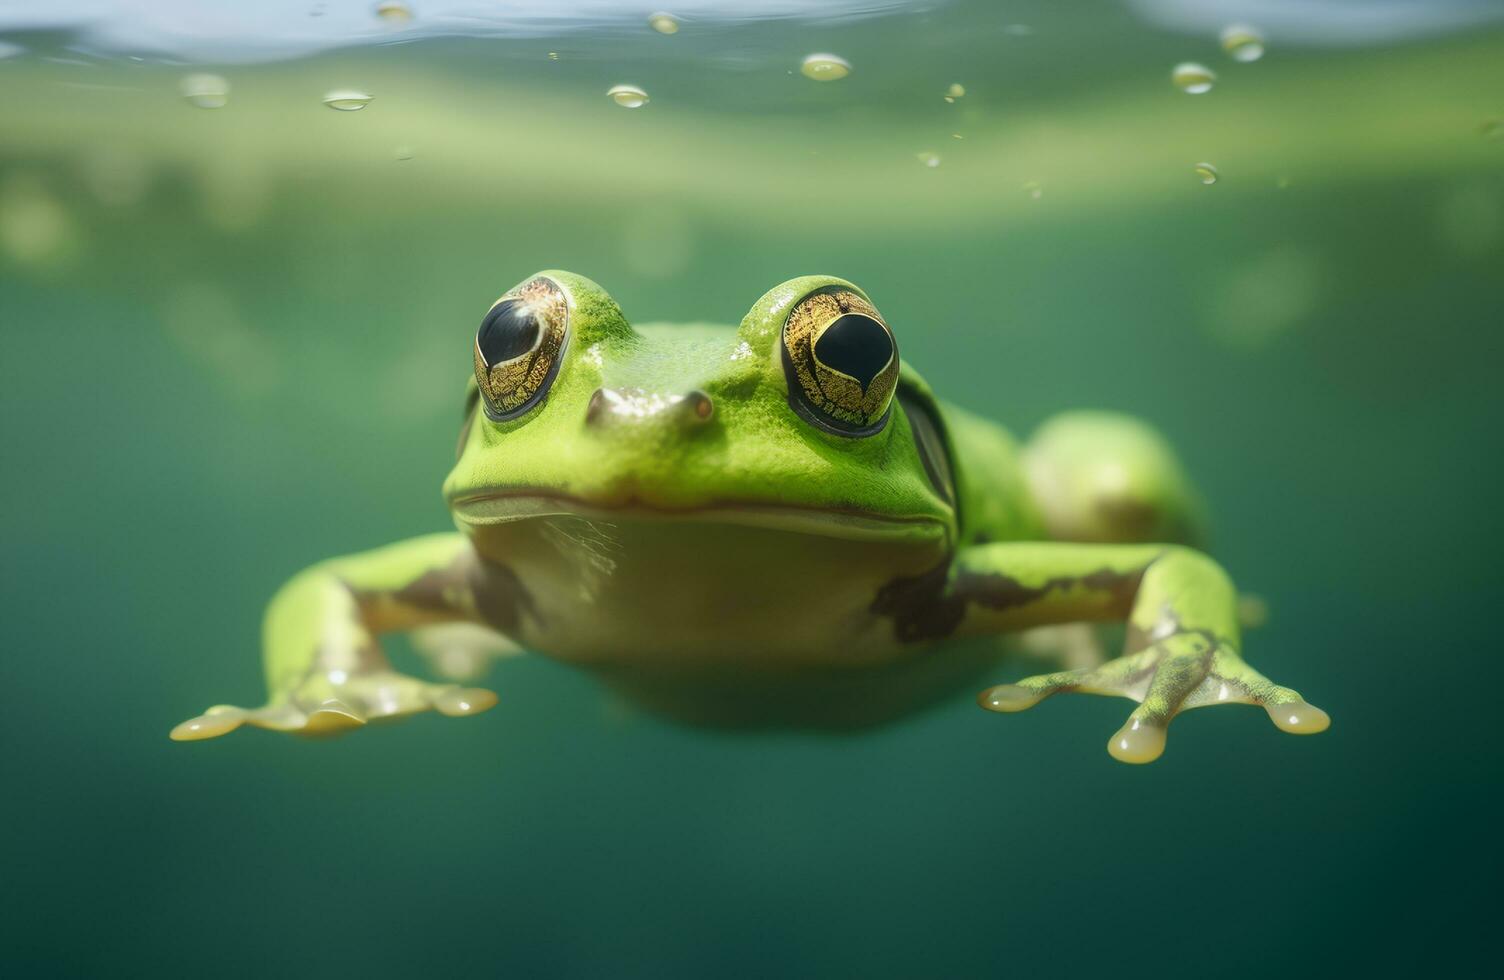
1100 477
1106 478
461 651
1074 646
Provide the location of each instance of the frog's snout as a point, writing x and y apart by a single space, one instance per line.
615 406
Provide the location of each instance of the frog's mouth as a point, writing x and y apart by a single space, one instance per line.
505 506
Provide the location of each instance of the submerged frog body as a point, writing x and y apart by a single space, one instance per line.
773 524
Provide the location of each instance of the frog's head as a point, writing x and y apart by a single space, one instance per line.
802 419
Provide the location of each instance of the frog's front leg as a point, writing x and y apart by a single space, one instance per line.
325 670
1183 645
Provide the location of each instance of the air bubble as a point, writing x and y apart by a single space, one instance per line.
1192 78
1034 189
628 96
664 23
1243 43
394 12
205 91
1207 173
825 67
956 91
929 158
347 100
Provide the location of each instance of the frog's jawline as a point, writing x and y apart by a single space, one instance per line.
503 506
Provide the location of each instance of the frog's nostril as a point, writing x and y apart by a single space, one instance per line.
600 406
614 406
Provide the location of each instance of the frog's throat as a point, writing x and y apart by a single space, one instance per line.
504 506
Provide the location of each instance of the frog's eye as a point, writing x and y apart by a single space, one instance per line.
518 348
841 362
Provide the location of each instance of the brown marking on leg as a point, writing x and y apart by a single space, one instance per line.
921 606
469 585
931 606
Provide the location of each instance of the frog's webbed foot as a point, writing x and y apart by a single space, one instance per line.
1074 646
335 701
1184 670
461 651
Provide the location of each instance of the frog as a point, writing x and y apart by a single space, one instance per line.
774 525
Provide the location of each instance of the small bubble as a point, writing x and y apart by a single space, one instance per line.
957 136
394 12
956 91
205 91
1034 189
347 100
1242 43
929 158
1192 78
1207 173
553 56
664 23
404 152
628 96
825 67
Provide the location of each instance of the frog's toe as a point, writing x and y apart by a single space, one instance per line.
1008 698
218 720
1298 717
457 702
1124 676
1137 742
1231 681
225 718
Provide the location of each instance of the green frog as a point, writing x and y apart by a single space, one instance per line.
771 525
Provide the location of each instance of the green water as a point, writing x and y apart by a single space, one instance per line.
233 344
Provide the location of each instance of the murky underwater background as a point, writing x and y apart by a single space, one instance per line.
234 340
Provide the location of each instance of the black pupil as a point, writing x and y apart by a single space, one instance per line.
857 346
508 331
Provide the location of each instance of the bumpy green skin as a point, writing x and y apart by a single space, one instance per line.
665 518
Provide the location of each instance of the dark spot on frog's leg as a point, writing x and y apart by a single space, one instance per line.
500 597
489 590
931 606
999 592
920 605
433 591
